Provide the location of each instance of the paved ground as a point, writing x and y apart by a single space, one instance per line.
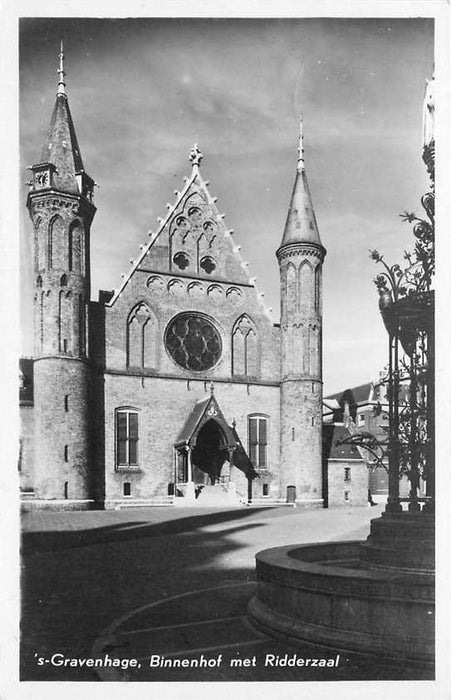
168 582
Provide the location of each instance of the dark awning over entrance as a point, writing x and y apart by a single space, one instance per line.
241 459
205 410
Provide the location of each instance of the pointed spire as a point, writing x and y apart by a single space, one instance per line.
301 226
61 84
61 145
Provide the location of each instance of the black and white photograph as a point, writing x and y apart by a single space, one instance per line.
226 357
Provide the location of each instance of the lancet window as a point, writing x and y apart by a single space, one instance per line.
141 337
244 347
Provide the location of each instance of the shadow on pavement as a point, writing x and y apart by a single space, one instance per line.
76 583
48 540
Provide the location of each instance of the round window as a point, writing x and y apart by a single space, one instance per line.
208 264
193 342
181 260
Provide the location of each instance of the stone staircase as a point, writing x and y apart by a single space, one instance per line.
218 495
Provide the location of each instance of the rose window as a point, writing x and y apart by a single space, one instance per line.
193 342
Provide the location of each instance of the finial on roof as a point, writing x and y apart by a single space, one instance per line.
212 389
300 165
195 155
61 83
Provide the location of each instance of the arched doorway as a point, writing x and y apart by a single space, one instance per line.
209 454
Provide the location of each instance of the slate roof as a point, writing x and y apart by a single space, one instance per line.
301 226
333 433
204 410
354 395
241 458
61 147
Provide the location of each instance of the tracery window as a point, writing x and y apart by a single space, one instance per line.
244 348
127 438
193 341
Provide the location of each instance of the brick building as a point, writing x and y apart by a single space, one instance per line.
176 386
363 408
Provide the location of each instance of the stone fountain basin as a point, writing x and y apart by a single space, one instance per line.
326 594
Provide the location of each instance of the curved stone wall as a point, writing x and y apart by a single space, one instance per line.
324 594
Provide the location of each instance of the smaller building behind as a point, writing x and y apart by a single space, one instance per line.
345 473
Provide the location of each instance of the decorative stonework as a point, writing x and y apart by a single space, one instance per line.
234 294
215 292
196 290
301 249
195 155
193 341
176 287
155 283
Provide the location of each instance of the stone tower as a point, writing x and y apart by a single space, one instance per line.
300 257
61 209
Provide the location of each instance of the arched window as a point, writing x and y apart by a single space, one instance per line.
76 248
141 338
40 245
318 289
65 322
127 438
244 347
150 343
46 310
258 440
56 244
291 291
306 287
81 325
41 319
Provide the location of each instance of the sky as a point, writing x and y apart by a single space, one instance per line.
142 91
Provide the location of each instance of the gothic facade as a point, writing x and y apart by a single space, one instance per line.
177 387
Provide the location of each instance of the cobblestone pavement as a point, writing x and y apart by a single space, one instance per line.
167 581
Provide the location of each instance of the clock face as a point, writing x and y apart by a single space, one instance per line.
193 342
41 179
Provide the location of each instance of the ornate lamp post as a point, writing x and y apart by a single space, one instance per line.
377 596
406 303
404 536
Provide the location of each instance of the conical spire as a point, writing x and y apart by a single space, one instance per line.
61 145
301 226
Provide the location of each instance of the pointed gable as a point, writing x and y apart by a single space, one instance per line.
206 409
192 240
